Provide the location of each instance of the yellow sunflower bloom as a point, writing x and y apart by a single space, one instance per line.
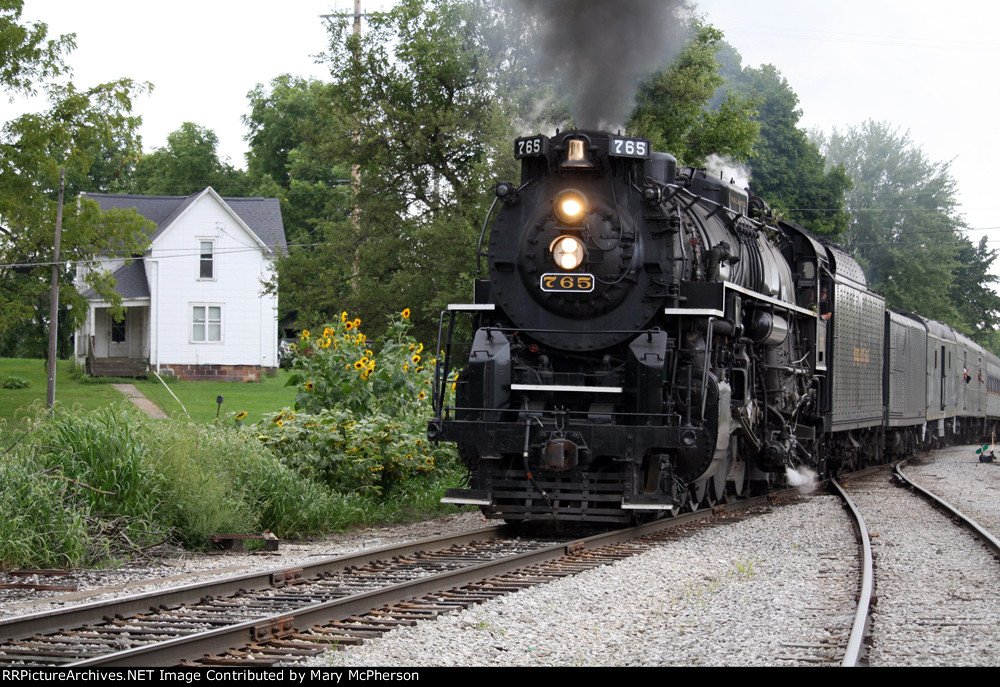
415 359
421 395
328 332
357 322
309 386
305 333
348 326
358 365
240 415
343 316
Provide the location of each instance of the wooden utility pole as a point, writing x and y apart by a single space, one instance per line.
54 296
355 169
356 184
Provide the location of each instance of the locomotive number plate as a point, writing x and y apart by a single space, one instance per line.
574 283
628 147
533 146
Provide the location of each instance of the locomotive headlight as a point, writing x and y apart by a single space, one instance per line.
567 252
570 207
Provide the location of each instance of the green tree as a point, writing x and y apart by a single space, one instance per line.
789 172
26 56
906 233
187 164
675 107
287 122
421 105
75 133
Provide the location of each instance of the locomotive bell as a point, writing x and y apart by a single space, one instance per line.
576 155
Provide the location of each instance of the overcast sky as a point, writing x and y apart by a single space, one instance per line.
930 68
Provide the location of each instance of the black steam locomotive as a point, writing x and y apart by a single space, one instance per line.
649 338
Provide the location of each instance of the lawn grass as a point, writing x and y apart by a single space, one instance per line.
199 398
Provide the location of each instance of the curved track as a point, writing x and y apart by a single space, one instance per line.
934 583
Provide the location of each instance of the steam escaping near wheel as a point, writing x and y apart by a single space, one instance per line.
803 478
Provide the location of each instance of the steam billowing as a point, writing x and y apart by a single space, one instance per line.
600 51
802 477
728 169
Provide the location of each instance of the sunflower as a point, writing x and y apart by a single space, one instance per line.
415 359
358 365
240 415
421 396
328 332
305 333
406 314
357 322
309 386
348 326
343 316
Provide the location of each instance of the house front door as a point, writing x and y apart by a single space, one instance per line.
118 337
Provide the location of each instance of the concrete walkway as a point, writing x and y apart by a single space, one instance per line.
147 406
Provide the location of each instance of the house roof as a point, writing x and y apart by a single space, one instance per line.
261 215
132 282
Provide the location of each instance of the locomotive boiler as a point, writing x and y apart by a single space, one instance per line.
645 338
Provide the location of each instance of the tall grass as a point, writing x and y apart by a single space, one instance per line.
89 488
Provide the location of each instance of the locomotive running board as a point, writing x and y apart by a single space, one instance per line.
467 497
648 506
562 387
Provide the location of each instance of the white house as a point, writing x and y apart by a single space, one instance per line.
195 299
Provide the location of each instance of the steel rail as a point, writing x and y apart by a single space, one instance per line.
977 530
45 622
220 640
852 655
262 628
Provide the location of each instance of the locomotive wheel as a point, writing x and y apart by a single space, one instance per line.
736 478
717 486
698 491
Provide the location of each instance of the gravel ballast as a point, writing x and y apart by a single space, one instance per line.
755 592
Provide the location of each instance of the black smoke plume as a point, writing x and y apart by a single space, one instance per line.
600 50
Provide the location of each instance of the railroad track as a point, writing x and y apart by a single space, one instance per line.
934 585
263 618
339 602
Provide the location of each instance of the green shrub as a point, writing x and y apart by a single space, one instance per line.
359 422
14 383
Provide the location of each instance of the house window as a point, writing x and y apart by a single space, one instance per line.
118 331
206 323
207 260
